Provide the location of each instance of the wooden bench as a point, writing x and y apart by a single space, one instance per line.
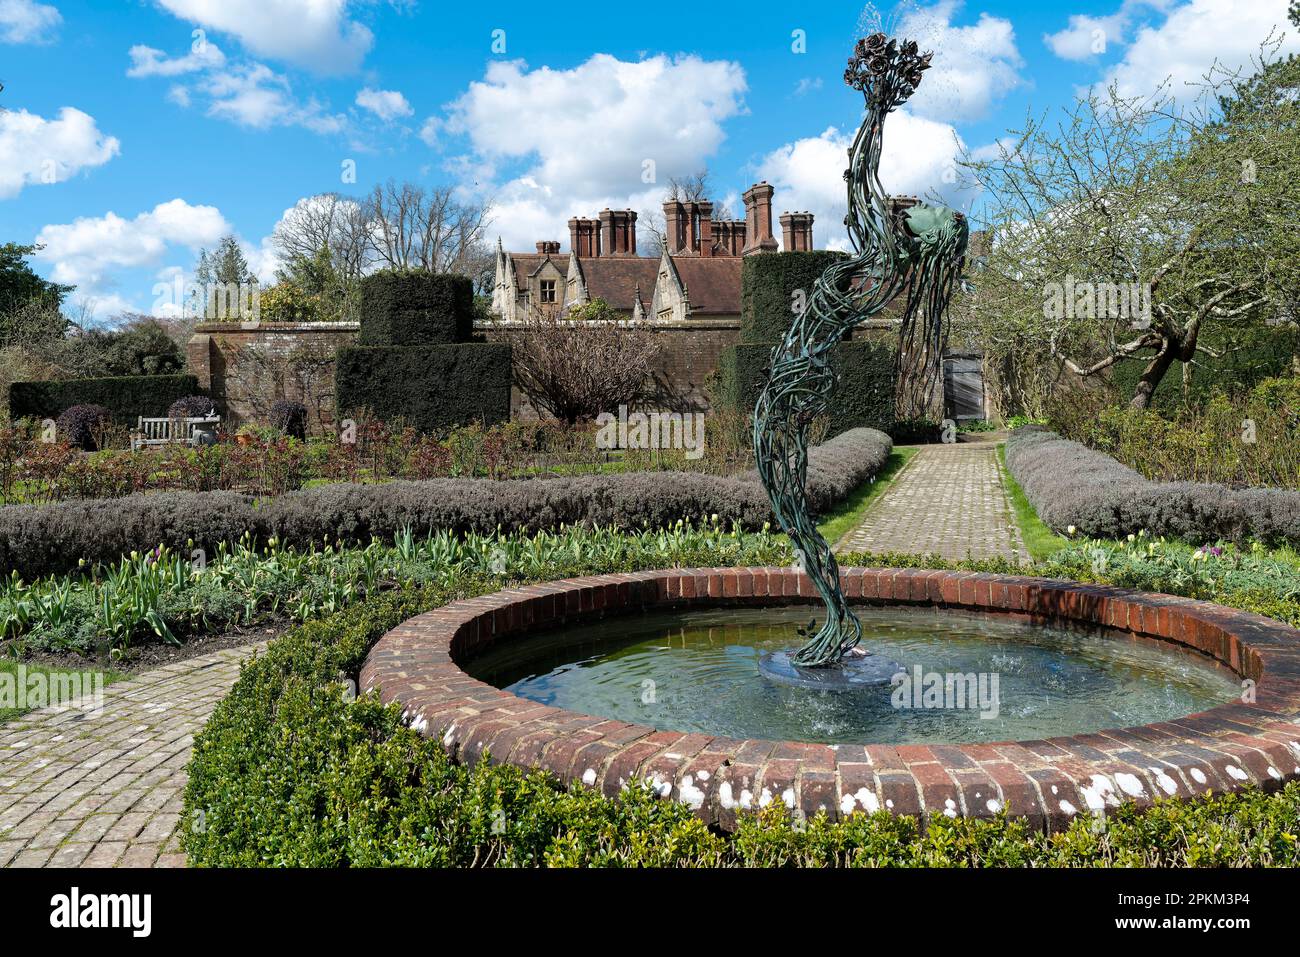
166 431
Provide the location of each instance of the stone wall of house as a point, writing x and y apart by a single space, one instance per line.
246 368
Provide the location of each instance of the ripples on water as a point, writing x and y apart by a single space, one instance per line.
698 671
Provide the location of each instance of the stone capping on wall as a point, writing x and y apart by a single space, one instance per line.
1046 781
255 324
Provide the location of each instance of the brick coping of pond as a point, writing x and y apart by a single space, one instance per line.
1046 781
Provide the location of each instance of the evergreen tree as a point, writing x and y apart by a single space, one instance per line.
224 280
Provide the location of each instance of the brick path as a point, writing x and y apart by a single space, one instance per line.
85 790
948 500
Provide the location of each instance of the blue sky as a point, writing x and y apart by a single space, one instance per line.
129 140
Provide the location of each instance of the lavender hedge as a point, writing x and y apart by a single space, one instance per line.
38 540
1069 484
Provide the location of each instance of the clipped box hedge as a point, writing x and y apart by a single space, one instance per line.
767 287
431 387
864 370
864 386
38 540
1069 484
416 309
126 397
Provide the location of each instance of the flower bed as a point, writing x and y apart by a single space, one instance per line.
48 539
272 461
1074 487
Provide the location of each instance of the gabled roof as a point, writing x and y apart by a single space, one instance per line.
527 264
712 285
615 278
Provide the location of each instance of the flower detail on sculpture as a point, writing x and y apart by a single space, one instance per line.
881 68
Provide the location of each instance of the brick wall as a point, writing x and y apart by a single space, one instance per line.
246 368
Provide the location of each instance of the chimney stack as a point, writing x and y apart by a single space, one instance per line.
704 229
619 226
676 224
796 232
584 238
548 247
758 219
730 236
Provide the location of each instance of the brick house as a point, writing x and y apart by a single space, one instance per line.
697 275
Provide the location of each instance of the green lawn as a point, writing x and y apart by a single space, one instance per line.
1040 541
10 667
836 524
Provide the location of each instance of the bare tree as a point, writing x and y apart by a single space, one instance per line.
683 189
330 222
581 364
414 228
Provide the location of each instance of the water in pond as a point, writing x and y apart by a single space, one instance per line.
970 677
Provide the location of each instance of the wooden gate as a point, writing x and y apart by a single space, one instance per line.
963 388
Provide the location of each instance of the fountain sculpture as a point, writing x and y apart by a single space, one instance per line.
917 254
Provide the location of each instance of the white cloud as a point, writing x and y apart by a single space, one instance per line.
24 21
429 131
256 96
87 250
1088 36
659 115
315 34
1185 46
973 66
918 157
250 94
385 104
807 85
146 61
35 150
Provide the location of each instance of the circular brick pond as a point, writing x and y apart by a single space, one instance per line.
1252 741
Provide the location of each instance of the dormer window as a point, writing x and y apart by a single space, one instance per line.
548 290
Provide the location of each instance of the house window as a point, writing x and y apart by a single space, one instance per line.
548 290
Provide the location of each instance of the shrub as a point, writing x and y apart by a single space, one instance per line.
400 308
864 382
916 431
126 398
864 370
83 426
1252 439
290 418
432 387
190 406
1071 485
767 288
580 365
289 302
39 540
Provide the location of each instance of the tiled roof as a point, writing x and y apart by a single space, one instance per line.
527 263
615 279
713 285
